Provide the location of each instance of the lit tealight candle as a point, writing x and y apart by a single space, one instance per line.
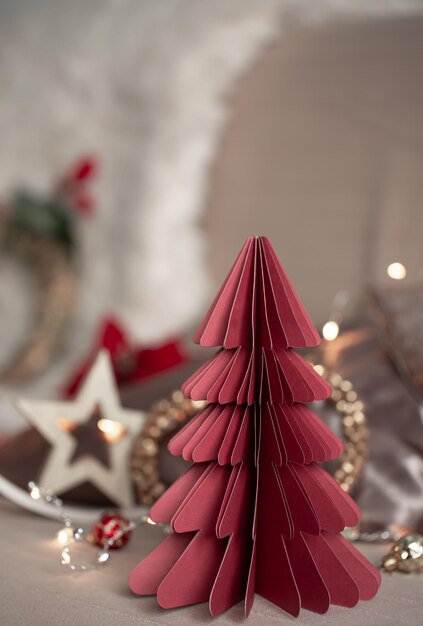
397 271
330 330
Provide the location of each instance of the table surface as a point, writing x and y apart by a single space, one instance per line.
36 590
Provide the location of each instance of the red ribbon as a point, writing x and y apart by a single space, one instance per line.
130 363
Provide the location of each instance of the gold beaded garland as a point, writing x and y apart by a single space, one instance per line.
354 429
164 417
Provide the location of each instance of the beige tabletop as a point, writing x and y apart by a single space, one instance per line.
35 590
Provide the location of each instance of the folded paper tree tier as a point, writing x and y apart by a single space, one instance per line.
257 304
226 434
246 376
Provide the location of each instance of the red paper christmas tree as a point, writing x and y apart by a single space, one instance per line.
256 513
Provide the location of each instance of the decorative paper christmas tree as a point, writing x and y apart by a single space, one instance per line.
256 513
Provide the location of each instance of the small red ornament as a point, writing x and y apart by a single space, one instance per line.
108 527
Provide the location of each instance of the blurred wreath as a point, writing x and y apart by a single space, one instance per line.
41 232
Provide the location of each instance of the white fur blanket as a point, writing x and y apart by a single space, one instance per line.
143 84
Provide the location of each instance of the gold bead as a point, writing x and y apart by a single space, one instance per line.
163 405
148 468
178 396
157 490
359 417
149 446
163 422
153 431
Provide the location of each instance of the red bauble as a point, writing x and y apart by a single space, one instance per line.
108 527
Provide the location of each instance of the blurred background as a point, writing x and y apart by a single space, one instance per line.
142 142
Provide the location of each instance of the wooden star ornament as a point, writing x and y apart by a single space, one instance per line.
91 437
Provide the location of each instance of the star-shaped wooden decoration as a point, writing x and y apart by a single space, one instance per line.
95 415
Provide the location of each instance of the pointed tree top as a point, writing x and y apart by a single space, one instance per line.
257 305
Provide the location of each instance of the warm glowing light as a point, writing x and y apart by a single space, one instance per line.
330 330
199 404
396 271
112 430
65 557
35 493
65 535
103 557
65 424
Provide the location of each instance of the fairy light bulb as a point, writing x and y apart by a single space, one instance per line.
35 492
70 535
396 271
65 535
330 330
